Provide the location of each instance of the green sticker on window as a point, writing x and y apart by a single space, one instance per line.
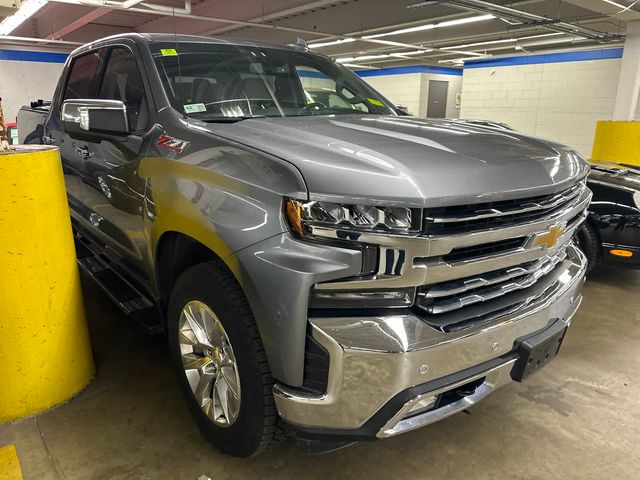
377 103
168 52
195 108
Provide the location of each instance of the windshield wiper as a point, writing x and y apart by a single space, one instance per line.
230 119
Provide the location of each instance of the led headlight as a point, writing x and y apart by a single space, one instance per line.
302 215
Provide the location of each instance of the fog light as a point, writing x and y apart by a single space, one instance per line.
362 298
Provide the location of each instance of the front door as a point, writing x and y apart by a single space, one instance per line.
111 194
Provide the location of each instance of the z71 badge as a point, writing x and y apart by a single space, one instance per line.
172 144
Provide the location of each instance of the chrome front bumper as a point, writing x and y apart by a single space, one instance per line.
383 366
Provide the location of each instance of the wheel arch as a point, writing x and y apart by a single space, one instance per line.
175 253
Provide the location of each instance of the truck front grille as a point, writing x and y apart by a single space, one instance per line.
451 305
478 251
474 264
467 218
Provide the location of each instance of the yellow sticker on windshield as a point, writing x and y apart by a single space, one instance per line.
168 52
377 103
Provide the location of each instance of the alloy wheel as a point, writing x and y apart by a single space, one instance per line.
209 363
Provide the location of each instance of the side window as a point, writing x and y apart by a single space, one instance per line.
83 78
122 81
319 88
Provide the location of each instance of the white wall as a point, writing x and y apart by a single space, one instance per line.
559 101
24 81
403 89
412 90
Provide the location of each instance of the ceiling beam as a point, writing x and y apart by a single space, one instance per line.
15 40
114 5
600 6
81 22
522 18
279 14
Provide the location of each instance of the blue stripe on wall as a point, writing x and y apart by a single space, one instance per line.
410 69
580 56
311 74
27 56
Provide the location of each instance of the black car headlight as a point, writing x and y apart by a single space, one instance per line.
303 216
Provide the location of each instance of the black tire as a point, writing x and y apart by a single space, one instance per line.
589 242
257 424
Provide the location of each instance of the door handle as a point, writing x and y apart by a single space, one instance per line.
84 152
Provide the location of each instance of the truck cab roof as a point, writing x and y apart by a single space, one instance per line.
147 38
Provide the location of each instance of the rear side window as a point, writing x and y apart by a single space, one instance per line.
83 78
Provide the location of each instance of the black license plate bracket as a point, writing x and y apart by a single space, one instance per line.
537 350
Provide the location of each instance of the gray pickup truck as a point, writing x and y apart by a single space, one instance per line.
320 264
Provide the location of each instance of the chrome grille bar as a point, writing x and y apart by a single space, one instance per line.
502 305
457 287
526 206
493 289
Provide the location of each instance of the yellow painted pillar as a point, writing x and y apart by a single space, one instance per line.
45 354
617 141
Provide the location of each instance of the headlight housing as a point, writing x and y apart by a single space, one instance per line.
345 223
302 216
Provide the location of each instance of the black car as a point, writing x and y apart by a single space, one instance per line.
611 233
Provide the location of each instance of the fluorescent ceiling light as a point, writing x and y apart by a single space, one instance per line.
27 9
392 43
354 65
429 26
467 45
616 4
334 42
382 55
362 57
507 40
460 61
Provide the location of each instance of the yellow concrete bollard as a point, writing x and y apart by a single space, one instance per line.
45 354
617 141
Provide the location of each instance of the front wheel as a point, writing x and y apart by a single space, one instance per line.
588 241
220 361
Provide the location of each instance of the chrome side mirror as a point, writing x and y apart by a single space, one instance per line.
402 109
108 117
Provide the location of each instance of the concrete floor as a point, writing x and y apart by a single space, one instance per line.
578 418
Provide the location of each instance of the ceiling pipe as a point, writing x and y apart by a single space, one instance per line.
170 12
526 19
130 3
275 16
163 8
9 39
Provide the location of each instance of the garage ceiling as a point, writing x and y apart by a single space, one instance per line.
360 33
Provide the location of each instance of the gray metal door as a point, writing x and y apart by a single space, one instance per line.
437 101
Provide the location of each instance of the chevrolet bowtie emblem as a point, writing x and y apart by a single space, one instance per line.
549 239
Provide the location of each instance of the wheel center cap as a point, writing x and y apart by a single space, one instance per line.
216 354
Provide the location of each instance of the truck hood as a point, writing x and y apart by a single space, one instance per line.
409 161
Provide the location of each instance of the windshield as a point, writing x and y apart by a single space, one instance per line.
210 81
